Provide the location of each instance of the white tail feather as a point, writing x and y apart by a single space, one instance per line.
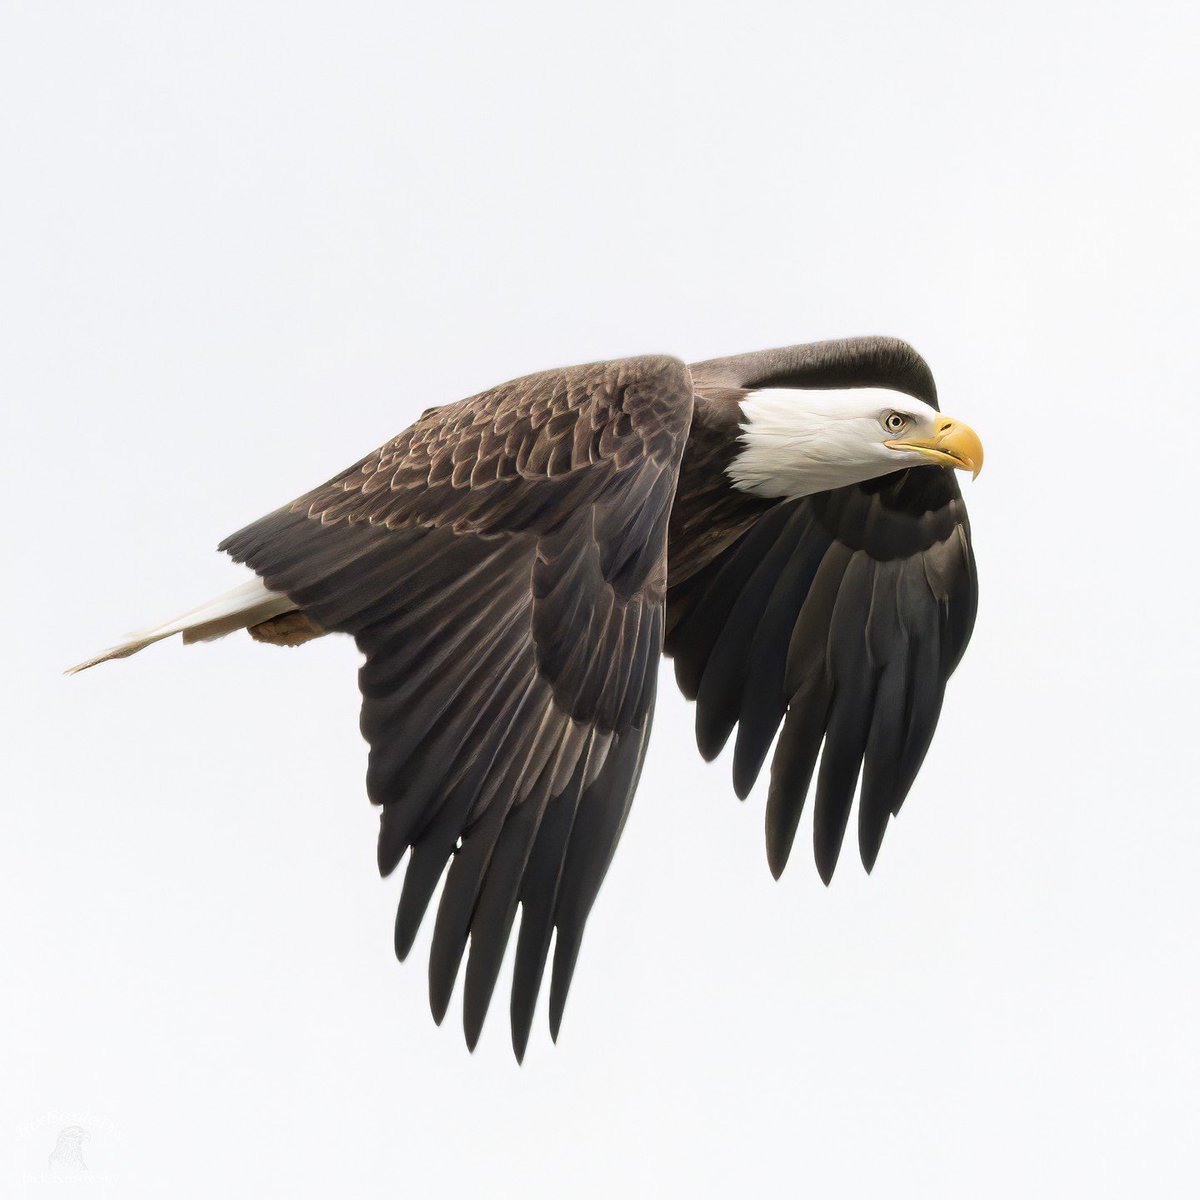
246 605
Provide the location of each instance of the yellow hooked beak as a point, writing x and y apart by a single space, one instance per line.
954 445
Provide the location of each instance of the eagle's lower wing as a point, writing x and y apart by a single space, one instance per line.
840 615
502 566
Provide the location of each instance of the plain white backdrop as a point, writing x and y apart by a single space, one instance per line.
244 243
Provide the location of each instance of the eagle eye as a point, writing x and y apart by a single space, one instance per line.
895 422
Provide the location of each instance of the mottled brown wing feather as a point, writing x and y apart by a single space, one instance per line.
502 566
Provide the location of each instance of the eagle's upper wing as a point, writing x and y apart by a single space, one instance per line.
840 615
502 566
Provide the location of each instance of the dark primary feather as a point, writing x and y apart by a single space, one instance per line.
502 566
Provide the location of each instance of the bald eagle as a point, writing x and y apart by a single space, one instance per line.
785 525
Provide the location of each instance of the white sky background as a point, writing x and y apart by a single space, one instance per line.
243 244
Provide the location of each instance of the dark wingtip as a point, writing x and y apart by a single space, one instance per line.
439 999
782 820
476 1000
777 858
743 780
869 843
712 730
402 939
519 1045
520 1017
566 954
520 1013
825 866
558 1003
472 1028
710 745
390 845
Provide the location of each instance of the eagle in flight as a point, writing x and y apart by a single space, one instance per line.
785 525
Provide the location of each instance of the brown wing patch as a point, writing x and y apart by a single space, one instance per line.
469 464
